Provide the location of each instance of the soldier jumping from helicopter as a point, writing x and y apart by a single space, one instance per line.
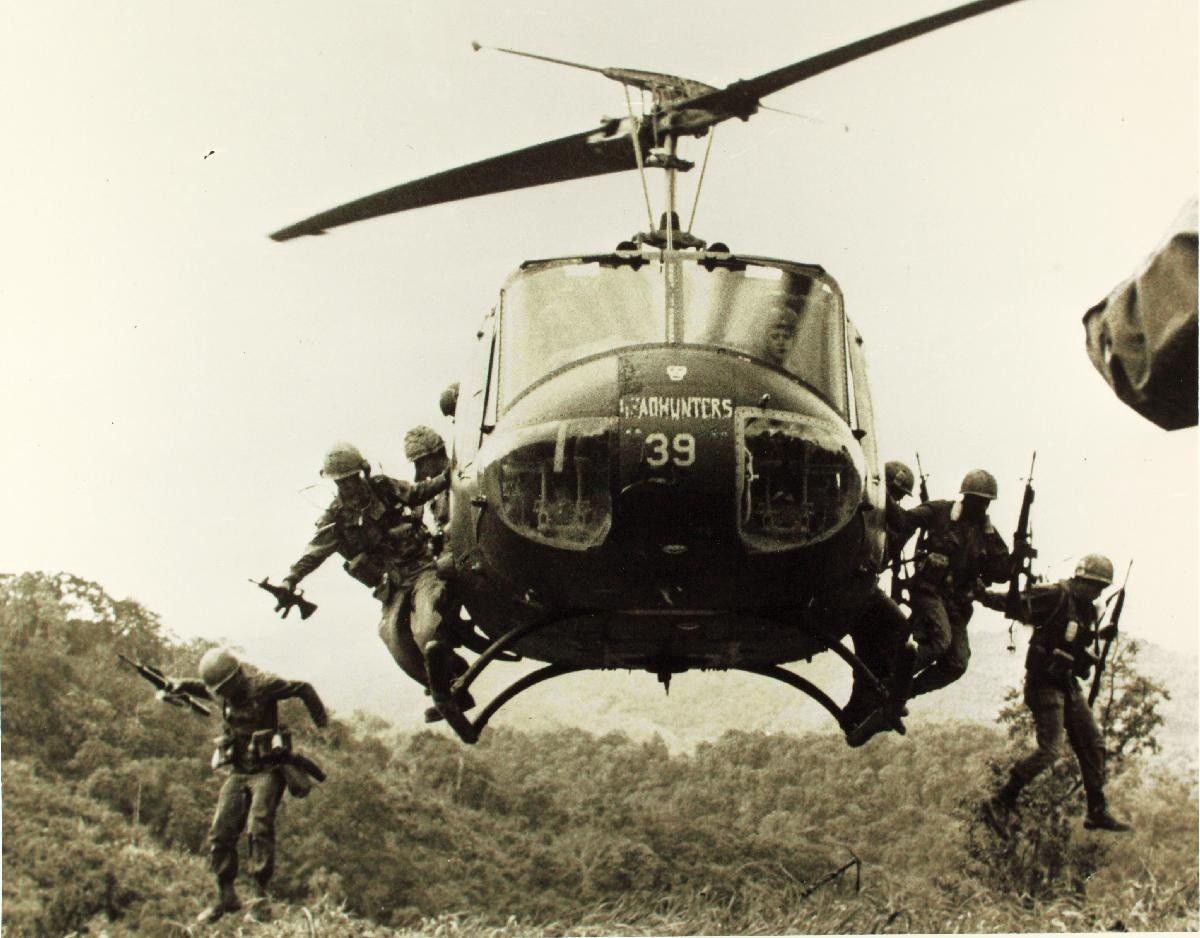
387 547
426 450
256 751
880 627
1063 617
961 549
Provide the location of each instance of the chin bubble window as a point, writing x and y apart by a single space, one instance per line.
798 481
551 482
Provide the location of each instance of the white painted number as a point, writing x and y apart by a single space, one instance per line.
683 445
685 449
657 442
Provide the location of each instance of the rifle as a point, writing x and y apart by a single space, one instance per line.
921 474
163 688
1114 619
286 598
1023 553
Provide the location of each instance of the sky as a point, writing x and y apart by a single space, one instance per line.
170 378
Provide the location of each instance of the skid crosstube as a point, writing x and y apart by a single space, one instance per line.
468 729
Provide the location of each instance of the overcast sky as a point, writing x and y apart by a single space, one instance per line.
170 378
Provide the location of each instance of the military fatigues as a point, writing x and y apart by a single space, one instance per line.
1063 628
255 784
957 554
879 627
388 548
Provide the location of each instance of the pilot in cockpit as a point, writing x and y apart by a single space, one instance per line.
781 335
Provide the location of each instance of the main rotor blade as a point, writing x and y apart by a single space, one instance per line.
741 98
607 149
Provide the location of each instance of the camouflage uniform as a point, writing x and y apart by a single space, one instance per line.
878 629
388 548
957 554
1063 628
254 787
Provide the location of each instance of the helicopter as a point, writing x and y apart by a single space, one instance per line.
663 456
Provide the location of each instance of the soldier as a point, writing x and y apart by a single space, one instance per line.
898 481
961 548
387 547
1063 616
426 450
257 752
880 626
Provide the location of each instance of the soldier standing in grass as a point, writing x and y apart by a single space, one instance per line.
256 750
1063 616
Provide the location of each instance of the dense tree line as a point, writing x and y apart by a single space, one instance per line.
108 795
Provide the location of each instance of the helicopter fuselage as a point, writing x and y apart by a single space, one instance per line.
692 491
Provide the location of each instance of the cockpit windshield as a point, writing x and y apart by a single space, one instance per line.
561 311
557 314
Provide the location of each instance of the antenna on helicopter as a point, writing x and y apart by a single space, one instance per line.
663 87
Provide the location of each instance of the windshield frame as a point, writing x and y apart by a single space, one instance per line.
674 319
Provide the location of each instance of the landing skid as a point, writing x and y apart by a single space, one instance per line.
468 729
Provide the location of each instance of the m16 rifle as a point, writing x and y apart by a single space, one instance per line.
1116 607
164 689
285 598
1022 557
924 488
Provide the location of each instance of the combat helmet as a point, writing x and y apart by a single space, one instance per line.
422 441
217 668
979 482
897 475
343 460
1095 567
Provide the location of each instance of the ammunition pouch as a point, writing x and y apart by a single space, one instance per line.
1084 662
271 747
933 573
299 783
1058 665
366 569
299 774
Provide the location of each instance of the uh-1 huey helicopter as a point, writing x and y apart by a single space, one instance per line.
664 456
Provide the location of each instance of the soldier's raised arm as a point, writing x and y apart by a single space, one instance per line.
276 688
1037 602
995 561
906 521
322 546
412 494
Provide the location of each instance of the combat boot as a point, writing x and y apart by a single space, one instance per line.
462 699
227 901
258 909
1099 819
